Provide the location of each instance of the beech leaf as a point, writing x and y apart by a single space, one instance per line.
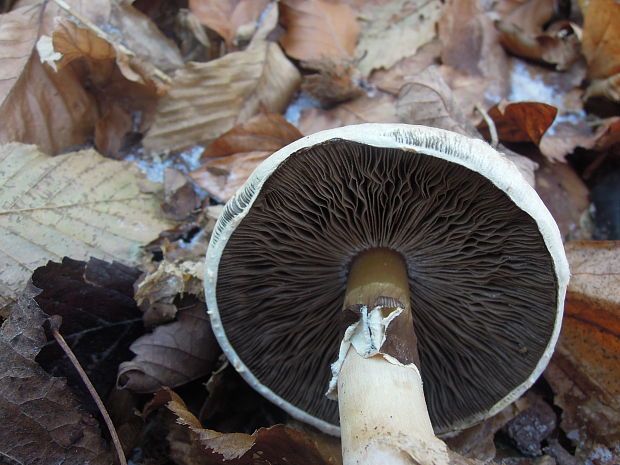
520 121
79 205
241 150
234 20
173 354
208 99
382 42
42 420
316 29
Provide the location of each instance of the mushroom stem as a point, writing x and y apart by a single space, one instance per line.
383 414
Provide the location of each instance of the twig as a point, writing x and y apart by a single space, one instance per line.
490 124
105 36
54 323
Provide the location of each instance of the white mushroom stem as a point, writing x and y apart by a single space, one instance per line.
383 414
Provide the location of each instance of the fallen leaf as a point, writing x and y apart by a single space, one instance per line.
334 81
222 177
46 423
395 30
523 33
156 291
173 354
470 45
392 80
191 444
100 319
241 150
80 205
235 21
520 121
557 46
208 99
38 105
427 100
111 129
180 198
316 30
601 47
585 370
265 132
565 195
601 37
379 108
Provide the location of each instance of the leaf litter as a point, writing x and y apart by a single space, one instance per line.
199 106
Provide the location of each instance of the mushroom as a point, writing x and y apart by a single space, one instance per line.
360 261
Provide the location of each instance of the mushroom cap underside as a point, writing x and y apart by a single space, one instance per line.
485 266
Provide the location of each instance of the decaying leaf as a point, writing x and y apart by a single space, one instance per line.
80 205
585 370
42 420
38 105
426 99
173 354
521 33
191 444
565 195
100 319
520 121
236 20
157 291
241 150
395 30
180 198
470 44
380 108
601 47
316 29
208 99
334 81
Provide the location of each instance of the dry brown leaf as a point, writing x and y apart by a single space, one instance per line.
208 99
265 132
242 149
565 195
37 105
191 444
334 81
427 99
395 30
470 44
601 37
316 29
173 354
234 20
391 80
80 205
46 422
222 177
520 121
585 370
558 46
380 108
111 129
180 197
156 291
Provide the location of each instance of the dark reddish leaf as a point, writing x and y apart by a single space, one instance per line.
99 318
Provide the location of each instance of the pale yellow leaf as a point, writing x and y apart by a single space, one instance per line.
78 205
208 99
394 31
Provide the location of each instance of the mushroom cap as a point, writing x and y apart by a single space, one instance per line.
485 261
